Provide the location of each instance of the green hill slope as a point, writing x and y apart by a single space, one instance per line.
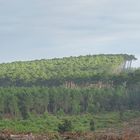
56 72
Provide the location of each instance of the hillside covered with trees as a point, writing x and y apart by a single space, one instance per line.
56 72
70 86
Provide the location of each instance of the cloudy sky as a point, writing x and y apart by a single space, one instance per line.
35 29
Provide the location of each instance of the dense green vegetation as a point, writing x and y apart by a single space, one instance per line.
23 102
50 95
56 72
80 123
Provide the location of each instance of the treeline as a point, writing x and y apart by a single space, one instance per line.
17 102
56 72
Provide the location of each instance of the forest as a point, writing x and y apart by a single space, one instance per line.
71 86
57 72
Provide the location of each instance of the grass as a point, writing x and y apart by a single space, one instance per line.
81 123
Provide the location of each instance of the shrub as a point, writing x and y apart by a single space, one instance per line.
92 125
65 126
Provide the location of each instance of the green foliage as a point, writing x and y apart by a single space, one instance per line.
22 102
56 72
92 125
38 95
66 126
49 123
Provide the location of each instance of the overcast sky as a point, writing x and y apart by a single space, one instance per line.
35 29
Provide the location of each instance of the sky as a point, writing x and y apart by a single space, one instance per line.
38 29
